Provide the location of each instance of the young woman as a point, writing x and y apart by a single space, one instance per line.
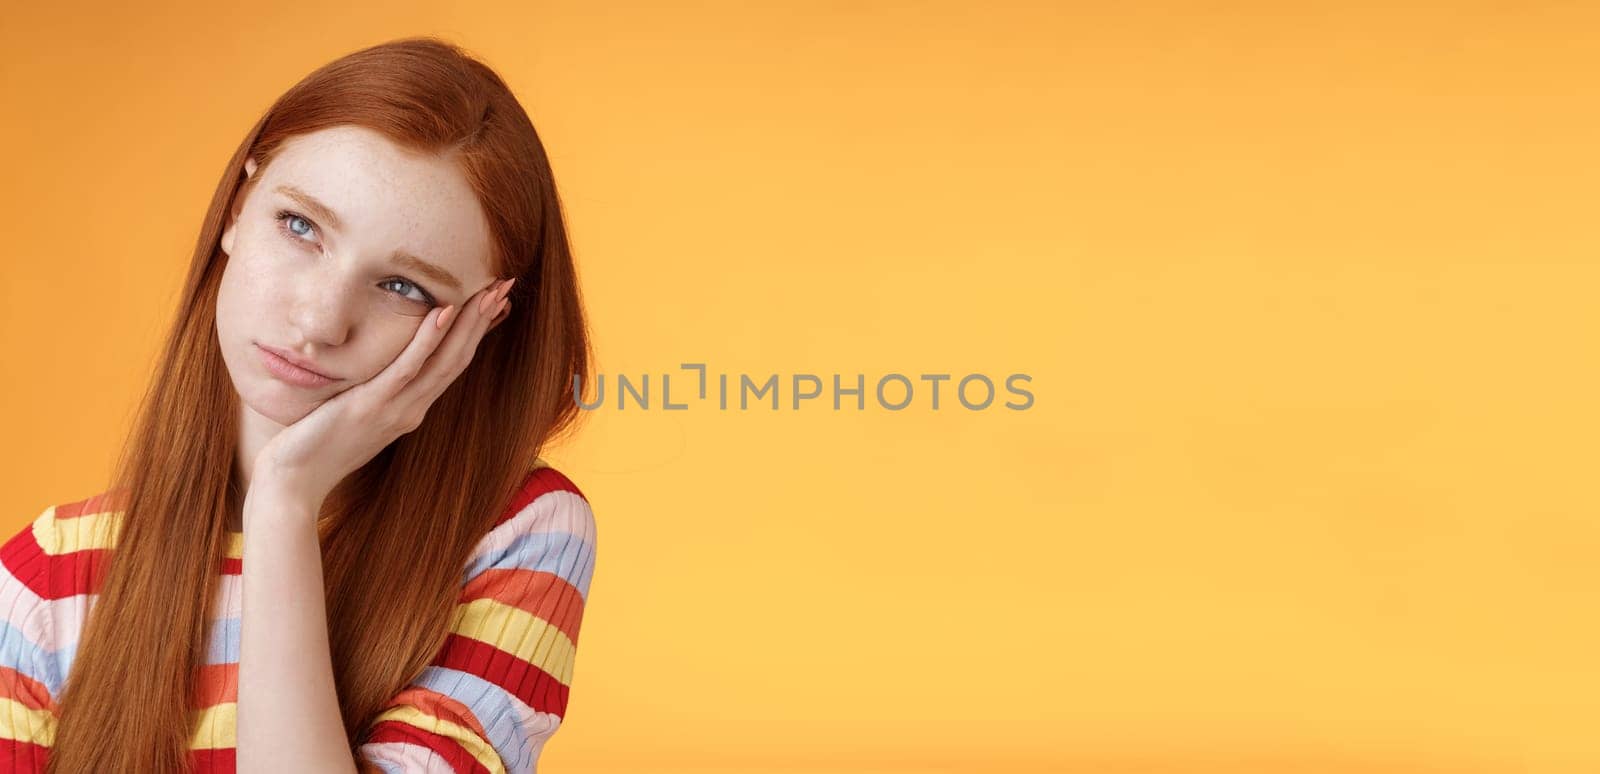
331 544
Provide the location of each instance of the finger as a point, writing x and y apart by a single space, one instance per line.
457 348
409 362
504 313
424 348
453 354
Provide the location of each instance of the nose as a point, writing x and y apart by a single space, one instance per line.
321 309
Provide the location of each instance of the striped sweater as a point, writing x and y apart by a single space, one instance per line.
487 702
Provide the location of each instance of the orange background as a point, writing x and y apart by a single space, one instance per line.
1305 290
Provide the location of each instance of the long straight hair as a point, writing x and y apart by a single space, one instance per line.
397 532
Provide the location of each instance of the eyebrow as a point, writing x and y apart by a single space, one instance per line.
400 257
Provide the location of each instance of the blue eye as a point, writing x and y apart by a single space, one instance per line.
287 219
426 297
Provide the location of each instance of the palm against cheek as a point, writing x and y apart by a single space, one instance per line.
349 429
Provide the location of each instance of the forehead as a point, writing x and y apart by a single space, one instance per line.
387 198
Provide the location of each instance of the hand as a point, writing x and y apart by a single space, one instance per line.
311 456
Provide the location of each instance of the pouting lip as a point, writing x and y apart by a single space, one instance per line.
296 360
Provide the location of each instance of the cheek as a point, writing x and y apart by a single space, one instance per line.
254 280
387 337
248 296
258 289
228 302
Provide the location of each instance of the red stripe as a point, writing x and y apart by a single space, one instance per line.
53 577
441 706
216 684
18 756
215 760
534 686
538 482
26 560
453 754
80 572
101 502
541 593
25 690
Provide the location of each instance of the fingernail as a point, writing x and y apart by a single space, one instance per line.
499 309
507 290
488 298
444 317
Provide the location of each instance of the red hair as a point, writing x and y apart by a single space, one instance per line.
398 531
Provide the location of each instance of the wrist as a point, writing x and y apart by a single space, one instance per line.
282 478
279 495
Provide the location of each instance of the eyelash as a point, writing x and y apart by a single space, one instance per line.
282 217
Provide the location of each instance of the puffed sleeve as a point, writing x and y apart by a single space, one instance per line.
30 675
498 688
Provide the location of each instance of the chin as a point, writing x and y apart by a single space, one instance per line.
279 402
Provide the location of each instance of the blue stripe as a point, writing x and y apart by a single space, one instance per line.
494 708
222 638
23 655
491 705
561 553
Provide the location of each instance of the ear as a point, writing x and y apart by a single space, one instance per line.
227 233
227 236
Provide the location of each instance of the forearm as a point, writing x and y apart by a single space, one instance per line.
288 713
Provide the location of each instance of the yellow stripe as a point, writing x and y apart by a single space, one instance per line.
100 530
95 530
92 530
476 745
19 722
518 632
216 727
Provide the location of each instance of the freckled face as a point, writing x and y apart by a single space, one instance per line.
342 286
